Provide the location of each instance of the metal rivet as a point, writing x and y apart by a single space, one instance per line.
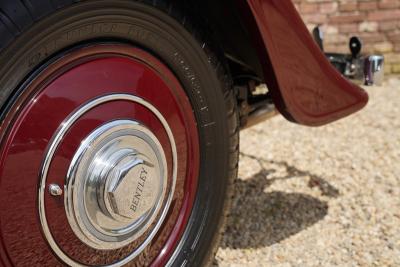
55 190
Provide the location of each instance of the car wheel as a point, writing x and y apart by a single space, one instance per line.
119 136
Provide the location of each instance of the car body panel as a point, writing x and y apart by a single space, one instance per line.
305 87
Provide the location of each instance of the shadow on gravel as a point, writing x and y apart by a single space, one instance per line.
260 219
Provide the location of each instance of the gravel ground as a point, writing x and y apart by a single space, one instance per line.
327 196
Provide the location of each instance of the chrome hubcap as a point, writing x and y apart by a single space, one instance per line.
117 189
117 183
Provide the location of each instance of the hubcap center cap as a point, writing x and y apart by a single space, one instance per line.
117 184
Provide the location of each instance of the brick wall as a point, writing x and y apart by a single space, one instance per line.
377 22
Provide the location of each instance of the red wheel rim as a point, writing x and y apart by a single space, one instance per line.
52 95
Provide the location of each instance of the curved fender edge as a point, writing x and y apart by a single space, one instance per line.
305 87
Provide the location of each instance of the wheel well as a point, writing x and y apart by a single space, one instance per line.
231 33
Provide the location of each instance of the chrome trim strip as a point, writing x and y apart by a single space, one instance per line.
373 70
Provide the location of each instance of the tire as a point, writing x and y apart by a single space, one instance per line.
37 38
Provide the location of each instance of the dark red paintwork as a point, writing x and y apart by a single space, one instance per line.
65 85
305 87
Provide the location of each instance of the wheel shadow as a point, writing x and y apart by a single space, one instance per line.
260 219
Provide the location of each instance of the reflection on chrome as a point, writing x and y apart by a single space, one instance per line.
114 163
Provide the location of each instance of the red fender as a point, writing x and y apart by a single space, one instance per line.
306 88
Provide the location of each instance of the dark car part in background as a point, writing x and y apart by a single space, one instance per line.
360 68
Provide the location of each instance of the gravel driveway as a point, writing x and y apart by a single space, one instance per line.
327 196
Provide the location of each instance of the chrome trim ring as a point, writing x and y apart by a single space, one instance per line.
51 149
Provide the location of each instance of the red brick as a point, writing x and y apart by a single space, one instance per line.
343 48
348 28
317 18
394 37
336 39
381 15
368 26
365 6
307 8
388 4
344 7
383 47
387 25
328 8
367 48
371 37
347 18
